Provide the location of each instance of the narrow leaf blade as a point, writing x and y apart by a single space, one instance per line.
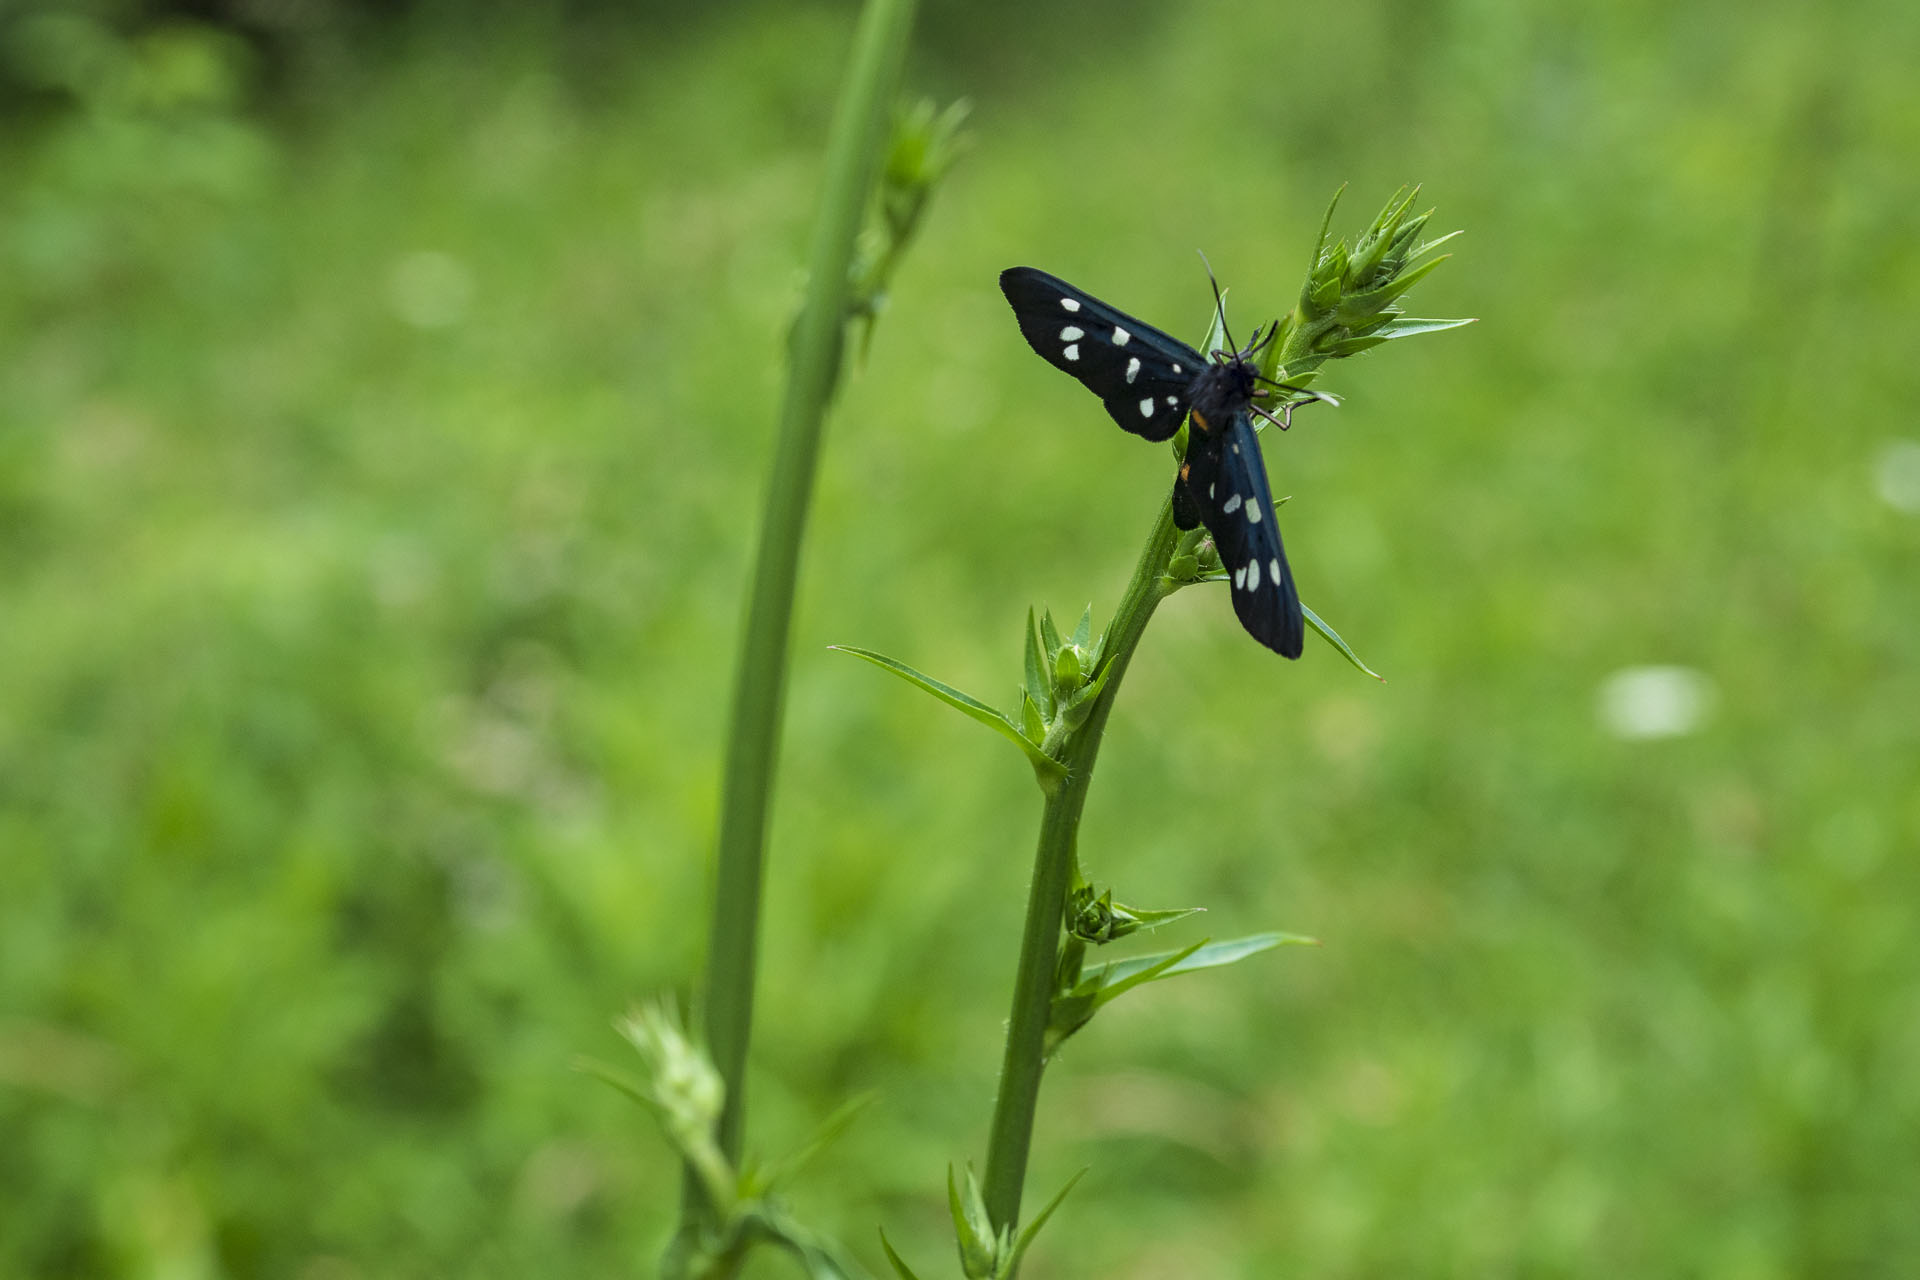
780 1171
1032 1229
1039 687
900 1268
1044 764
1326 225
1211 955
1111 981
630 1085
1412 326
1153 918
1332 637
1427 248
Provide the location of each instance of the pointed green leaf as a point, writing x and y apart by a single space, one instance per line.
632 1086
1066 1015
1098 658
1049 769
1049 635
1209 955
1100 987
1393 211
1373 245
1083 632
1326 225
831 1128
972 1227
1359 307
1407 232
1332 637
1409 326
1117 977
1153 918
1039 688
1422 250
1080 705
900 1268
819 1255
1032 1229
1031 722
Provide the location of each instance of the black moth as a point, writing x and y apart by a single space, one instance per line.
1151 382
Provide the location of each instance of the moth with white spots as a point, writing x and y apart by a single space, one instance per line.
1147 389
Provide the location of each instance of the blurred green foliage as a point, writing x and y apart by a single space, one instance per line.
378 464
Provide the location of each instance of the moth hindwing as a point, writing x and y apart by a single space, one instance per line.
1225 480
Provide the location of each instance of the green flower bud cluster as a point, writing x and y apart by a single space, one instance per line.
926 143
1350 301
1098 919
1064 675
986 1252
1094 919
685 1092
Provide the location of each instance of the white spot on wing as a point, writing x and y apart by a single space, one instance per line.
1231 505
1072 334
1273 567
1253 513
1240 578
1172 401
1133 369
1146 407
1176 368
1120 336
1072 352
1070 304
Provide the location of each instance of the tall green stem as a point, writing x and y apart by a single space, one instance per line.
1053 863
854 155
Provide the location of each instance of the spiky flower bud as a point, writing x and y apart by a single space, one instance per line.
1350 300
687 1092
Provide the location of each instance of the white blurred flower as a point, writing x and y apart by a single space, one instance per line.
1896 475
429 290
1655 702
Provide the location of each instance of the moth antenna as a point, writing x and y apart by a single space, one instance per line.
1259 343
1219 305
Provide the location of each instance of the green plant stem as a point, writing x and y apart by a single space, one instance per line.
854 155
1053 869
1056 861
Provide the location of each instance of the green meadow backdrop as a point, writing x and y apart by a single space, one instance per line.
385 404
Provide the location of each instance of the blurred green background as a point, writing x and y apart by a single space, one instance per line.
385 402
